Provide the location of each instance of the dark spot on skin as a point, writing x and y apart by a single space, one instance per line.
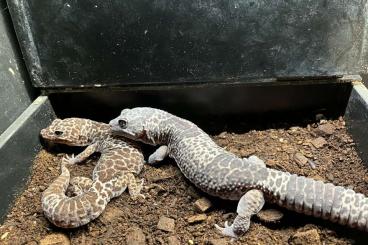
347 200
278 182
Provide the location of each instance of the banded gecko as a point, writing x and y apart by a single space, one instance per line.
223 174
120 161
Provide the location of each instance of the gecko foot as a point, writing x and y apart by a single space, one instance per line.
227 230
70 159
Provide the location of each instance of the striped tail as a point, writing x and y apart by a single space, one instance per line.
70 212
311 197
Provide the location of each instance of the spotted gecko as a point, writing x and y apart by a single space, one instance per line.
120 161
223 174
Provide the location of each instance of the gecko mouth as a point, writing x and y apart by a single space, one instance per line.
118 131
61 141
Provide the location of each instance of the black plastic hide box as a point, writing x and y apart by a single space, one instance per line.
213 62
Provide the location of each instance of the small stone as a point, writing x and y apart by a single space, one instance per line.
197 218
173 240
42 188
55 239
312 164
166 224
305 238
190 242
326 129
218 242
270 215
300 159
4 236
203 204
330 177
135 236
319 142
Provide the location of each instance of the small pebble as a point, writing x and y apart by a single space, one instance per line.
56 238
173 240
319 142
326 129
330 177
5 235
203 204
312 164
135 236
270 215
166 224
197 218
305 237
300 159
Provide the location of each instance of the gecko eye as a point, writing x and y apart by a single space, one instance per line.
58 133
122 123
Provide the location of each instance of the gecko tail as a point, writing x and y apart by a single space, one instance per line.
71 212
311 197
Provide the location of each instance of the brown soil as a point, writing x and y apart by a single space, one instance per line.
168 194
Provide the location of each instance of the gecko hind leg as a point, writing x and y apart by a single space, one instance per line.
249 204
128 180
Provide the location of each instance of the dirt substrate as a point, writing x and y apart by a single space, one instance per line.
322 151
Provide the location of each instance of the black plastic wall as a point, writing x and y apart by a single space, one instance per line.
103 43
212 107
15 91
18 146
357 119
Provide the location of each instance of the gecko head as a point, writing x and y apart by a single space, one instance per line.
69 131
136 124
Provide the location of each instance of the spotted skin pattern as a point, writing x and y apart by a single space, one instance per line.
120 161
223 174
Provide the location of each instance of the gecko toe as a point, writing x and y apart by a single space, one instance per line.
227 230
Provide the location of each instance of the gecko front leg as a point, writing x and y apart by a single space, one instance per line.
250 203
158 155
83 155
